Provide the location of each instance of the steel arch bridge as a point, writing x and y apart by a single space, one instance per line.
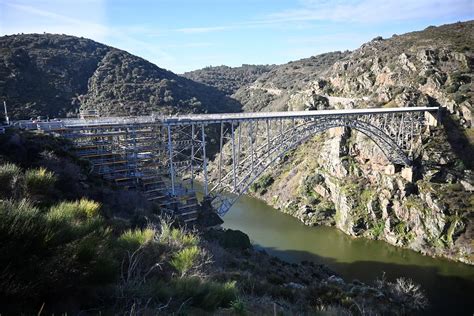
163 156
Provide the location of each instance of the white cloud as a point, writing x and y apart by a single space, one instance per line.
359 11
373 11
54 16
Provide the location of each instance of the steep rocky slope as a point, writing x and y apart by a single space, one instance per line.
228 79
272 90
342 178
45 74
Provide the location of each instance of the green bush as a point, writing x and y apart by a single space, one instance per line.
205 294
261 185
134 239
378 228
88 207
10 176
22 228
238 307
79 210
183 238
70 220
185 259
177 237
38 181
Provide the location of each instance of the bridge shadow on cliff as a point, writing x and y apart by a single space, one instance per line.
458 140
448 295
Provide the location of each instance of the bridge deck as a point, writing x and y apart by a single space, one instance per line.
227 117
210 118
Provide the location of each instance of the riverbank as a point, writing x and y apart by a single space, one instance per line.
447 284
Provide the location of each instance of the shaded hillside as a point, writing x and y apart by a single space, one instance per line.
45 74
342 178
228 79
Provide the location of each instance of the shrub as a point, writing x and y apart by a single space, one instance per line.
177 237
38 181
70 220
10 175
185 259
133 239
88 207
79 210
205 294
238 307
21 224
23 235
409 293
185 239
261 185
378 228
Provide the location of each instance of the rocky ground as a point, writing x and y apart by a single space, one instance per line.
270 284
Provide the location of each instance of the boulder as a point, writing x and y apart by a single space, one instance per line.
467 186
390 169
466 111
407 174
231 239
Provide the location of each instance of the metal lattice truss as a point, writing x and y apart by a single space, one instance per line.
164 155
255 143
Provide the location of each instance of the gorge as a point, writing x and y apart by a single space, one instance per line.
338 178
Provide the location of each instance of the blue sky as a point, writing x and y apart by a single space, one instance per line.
182 35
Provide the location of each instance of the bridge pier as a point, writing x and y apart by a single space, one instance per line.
432 119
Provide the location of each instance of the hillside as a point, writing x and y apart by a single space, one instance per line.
272 90
72 244
342 178
55 75
228 79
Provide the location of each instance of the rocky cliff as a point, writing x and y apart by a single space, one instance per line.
342 178
55 75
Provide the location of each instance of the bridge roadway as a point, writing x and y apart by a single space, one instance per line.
232 117
186 119
189 119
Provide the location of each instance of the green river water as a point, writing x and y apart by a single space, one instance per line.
448 285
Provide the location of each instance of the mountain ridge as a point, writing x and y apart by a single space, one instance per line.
55 75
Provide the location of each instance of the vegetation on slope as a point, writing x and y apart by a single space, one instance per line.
272 90
228 79
55 75
69 247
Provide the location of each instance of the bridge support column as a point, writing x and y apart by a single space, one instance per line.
204 160
193 138
221 144
234 171
170 149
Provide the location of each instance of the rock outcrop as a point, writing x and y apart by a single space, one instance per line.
342 178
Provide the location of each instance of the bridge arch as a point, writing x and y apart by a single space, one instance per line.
294 138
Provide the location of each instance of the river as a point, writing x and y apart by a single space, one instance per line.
448 285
